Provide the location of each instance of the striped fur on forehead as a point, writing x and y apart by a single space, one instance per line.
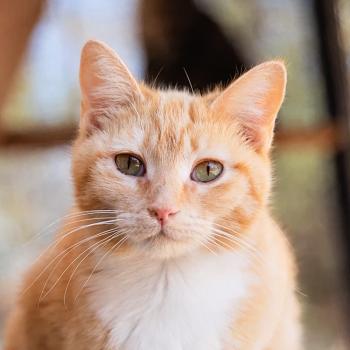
177 123
167 124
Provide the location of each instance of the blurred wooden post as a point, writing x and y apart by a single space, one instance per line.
335 74
17 20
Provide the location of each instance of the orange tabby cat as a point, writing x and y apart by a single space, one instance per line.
170 244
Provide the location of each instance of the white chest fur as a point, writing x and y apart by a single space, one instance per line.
183 304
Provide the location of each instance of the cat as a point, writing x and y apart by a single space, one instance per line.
170 244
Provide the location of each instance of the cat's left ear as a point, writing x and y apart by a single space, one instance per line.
254 101
105 82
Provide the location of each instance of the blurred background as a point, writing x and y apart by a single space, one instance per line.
215 41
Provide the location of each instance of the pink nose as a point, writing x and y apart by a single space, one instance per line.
162 214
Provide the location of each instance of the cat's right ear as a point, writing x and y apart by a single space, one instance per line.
106 83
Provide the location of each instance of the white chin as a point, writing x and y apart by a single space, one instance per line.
163 247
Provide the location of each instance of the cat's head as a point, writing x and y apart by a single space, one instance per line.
180 170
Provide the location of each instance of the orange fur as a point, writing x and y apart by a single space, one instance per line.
171 131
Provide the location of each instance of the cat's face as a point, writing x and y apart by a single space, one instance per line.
182 171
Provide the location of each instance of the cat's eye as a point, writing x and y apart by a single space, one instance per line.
129 164
207 171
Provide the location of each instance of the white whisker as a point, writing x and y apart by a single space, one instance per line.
116 246
65 252
68 216
61 238
113 236
66 269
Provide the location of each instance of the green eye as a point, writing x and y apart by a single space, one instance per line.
129 164
207 171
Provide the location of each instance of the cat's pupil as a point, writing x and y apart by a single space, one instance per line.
206 171
129 165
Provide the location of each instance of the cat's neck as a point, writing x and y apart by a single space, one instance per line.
133 296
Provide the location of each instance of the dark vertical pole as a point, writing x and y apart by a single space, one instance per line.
335 76
183 43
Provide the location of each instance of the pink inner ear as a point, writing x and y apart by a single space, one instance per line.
258 129
103 76
253 101
106 84
95 120
259 137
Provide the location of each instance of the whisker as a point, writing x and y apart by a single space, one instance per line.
69 249
66 251
68 216
66 269
203 244
188 79
61 238
236 239
153 84
212 240
240 243
221 244
97 219
229 228
233 237
116 246
113 236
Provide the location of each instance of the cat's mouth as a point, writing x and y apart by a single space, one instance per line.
165 243
163 235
